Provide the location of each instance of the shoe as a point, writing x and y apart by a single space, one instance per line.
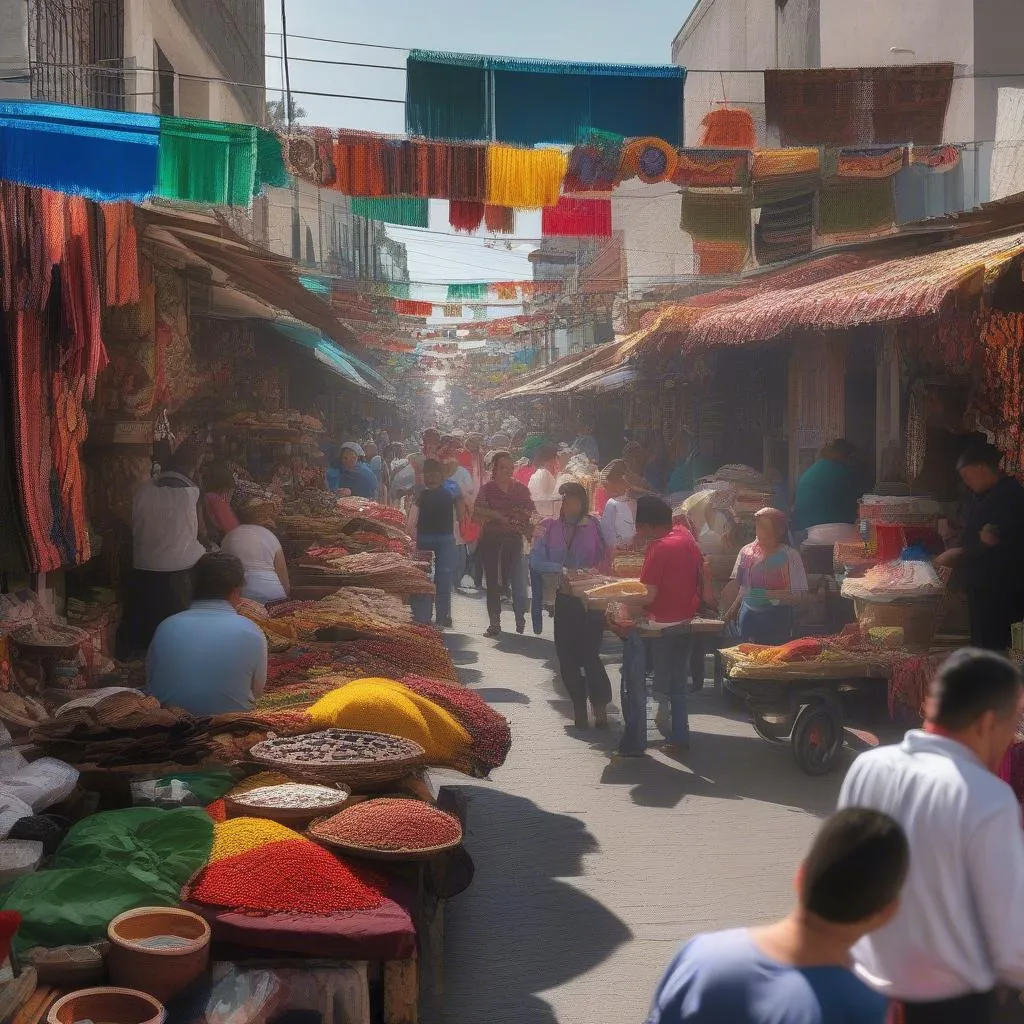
537 630
600 716
629 753
492 631
582 719
445 624
520 626
675 749
663 720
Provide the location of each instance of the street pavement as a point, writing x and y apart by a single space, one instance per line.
591 871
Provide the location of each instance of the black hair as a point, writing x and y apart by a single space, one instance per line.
433 466
856 866
980 455
652 511
545 453
216 575
971 682
186 459
501 453
571 489
219 477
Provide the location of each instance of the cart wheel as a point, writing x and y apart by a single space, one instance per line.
770 731
817 739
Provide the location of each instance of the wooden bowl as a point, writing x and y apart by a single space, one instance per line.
107 1005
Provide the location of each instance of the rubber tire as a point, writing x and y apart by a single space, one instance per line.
769 733
811 717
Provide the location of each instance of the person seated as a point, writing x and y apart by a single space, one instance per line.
352 476
771 578
209 660
830 491
254 544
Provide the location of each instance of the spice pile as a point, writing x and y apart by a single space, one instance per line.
390 824
290 796
262 867
334 750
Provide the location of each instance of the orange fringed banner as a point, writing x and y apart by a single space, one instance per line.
587 218
500 219
465 216
408 307
121 252
728 128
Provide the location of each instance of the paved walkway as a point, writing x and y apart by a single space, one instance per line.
591 871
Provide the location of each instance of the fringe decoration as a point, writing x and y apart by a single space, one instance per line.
712 215
207 162
121 255
407 307
856 207
728 128
594 163
712 168
394 210
501 220
583 218
465 215
472 291
524 178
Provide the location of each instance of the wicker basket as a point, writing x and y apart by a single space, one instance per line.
162 973
293 817
356 773
372 852
107 1006
69 967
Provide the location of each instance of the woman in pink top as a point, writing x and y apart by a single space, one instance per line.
219 483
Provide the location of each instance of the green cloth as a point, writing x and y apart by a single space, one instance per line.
852 207
716 215
405 210
471 291
828 492
270 167
206 161
107 864
206 786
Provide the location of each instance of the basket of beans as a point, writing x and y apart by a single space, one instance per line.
389 828
291 803
358 759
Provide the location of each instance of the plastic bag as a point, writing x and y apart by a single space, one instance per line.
40 784
183 789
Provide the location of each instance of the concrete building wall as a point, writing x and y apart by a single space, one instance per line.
657 250
14 77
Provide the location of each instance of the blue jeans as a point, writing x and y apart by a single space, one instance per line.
519 584
770 625
633 695
443 546
461 564
671 653
537 601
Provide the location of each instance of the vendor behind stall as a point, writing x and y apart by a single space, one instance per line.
771 578
254 544
829 492
209 660
351 476
219 486
992 550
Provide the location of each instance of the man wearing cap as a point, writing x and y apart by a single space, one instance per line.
351 476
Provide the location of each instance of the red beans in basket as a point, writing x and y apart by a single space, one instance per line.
392 824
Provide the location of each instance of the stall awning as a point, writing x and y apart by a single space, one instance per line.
833 293
579 372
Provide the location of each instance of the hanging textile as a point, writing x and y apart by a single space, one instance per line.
785 230
14 544
938 158
728 128
121 254
467 291
465 216
412 167
206 161
357 161
863 164
584 218
393 210
467 168
712 168
452 310
594 163
778 175
851 208
650 160
271 171
719 259
524 178
859 106
100 154
716 215
500 219
506 290
407 307
446 100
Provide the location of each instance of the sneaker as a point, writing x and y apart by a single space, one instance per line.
581 716
445 624
537 630
492 631
520 626
663 720
601 716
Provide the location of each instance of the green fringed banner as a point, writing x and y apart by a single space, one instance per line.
406 211
206 161
856 207
467 292
716 216
270 169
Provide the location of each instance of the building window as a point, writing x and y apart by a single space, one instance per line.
163 87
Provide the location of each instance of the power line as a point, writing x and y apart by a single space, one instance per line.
339 63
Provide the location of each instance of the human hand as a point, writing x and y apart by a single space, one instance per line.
989 535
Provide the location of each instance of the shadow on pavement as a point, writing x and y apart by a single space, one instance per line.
524 931
500 695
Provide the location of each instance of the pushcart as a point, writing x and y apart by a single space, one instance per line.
804 704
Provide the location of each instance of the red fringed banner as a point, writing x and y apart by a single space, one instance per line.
590 218
500 219
465 216
407 307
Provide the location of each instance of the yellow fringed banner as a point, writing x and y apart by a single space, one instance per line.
524 178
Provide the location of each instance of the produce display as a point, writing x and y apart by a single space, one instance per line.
385 571
389 825
290 796
336 748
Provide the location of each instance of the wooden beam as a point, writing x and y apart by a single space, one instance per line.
401 992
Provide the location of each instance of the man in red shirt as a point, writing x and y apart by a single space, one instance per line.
672 575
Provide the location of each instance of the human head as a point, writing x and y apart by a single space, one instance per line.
502 467
976 697
474 443
186 460
979 467
219 479
653 517
433 473
369 449
257 512
839 450
218 576
852 876
349 454
614 478
770 526
575 503
546 456
431 438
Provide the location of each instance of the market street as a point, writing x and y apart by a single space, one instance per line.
589 872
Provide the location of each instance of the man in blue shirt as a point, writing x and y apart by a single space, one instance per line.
209 660
352 476
797 971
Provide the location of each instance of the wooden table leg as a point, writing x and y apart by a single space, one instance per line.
401 992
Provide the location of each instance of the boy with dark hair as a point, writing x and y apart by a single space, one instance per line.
957 934
796 971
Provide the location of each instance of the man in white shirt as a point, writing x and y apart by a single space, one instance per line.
548 502
958 933
165 546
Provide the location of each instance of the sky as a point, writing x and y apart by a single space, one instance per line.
584 30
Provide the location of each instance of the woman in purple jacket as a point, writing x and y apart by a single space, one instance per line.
574 541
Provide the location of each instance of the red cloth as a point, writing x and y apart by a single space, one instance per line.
524 473
407 307
219 513
586 218
673 565
600 500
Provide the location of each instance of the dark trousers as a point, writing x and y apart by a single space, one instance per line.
149 598
578 635
976 1008
537 601
502 558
